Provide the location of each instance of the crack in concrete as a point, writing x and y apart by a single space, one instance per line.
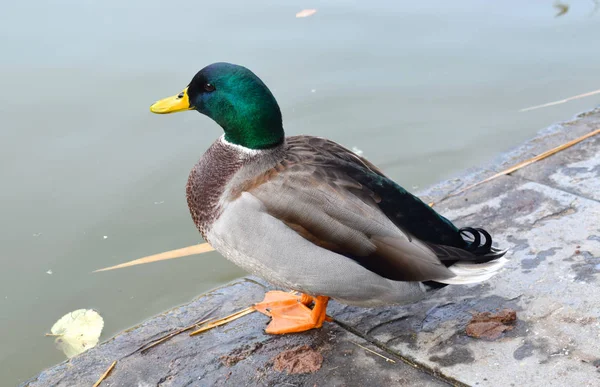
408 360
561 189
556 214
386 323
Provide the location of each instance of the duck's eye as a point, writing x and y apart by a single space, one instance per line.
209 87
180 95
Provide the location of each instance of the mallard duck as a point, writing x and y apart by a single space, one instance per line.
309 215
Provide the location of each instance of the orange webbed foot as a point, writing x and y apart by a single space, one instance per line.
276 299
290 313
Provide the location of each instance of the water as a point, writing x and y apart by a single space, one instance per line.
90 178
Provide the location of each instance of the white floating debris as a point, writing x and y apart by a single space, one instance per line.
306 13
161 202
313 90
37 234
77 331
105 237
49 272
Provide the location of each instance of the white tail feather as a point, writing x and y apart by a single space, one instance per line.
470 273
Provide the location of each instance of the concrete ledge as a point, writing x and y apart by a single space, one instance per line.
547 213
237 354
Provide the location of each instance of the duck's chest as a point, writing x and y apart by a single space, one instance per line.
208 182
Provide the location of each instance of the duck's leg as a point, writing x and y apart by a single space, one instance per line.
294 316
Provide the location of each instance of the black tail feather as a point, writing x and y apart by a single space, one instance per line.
474 251
484 252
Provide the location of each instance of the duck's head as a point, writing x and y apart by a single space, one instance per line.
236 99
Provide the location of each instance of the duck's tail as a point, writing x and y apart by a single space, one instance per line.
470 272
483 262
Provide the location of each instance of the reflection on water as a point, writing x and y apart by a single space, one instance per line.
90 178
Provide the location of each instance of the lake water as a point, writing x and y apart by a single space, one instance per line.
90 178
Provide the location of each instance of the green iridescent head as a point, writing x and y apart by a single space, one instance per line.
235 98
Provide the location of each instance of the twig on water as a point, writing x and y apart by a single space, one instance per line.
561 101
172 254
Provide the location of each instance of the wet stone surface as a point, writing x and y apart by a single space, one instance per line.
548 214
236 354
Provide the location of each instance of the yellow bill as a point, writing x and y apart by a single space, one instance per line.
176 103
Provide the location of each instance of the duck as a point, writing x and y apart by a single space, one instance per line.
311 216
